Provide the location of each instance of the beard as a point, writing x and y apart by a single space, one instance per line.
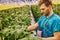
46 13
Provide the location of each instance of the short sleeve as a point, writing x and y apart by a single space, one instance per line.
40 19
56 26
39 22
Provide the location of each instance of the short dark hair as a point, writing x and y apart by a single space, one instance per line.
46 2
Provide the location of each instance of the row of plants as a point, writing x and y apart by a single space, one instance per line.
14 23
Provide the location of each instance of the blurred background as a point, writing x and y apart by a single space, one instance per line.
17 15
11 3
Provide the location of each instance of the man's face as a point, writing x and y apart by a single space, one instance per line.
44 9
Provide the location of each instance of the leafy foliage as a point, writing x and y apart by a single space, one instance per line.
36 12
14 22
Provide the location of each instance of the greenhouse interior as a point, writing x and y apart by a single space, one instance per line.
17 15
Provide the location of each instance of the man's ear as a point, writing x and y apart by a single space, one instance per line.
49 6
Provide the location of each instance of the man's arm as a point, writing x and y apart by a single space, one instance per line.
33 27
56 37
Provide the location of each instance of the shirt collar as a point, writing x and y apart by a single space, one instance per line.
50 15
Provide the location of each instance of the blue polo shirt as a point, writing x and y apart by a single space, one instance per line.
49 25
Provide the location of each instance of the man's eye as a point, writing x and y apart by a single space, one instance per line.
42 9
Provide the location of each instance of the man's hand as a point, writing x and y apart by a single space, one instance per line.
33 27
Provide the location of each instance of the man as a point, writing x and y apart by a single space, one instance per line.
49 23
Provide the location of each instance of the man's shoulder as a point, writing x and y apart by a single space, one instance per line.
42 17
56 17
